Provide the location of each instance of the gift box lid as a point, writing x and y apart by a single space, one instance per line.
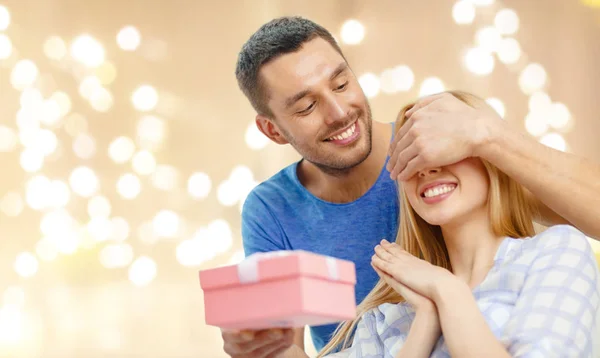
277 265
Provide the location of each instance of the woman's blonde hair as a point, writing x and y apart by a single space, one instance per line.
511 214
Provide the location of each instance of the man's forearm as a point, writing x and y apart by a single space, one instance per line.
567 184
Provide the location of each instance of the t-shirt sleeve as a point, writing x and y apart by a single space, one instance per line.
555 313
261 230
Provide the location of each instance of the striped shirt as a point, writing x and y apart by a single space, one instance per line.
541 298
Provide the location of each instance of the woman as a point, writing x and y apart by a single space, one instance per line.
469 277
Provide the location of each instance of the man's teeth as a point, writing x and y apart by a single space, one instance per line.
439 190
346 134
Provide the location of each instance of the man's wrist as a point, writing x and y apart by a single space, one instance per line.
486 134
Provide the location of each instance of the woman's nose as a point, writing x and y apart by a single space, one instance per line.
430 171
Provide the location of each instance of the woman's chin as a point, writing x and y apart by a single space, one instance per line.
440 219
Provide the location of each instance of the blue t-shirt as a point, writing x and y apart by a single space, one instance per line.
281 214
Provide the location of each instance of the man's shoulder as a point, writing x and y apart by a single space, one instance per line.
274 188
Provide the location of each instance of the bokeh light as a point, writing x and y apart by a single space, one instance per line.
142 271
83 181
431 85
119 255
4 18
87 50
106 73
559 116
121 149
46 249
89 85
128 38
99 206
150 132
143 162
99 228
31 160
55 48
120 229
353 32
84 146
255 139
63 101
370 84
536 123
199 185
36 190
59 194
539 101
26 265
5 47
479 61
8 139
399 78
144 98
463 12
482 2
129 186
166 224
554 140
165 177
488 38
101 99
509 51
23 74
497 105
507 21
532 78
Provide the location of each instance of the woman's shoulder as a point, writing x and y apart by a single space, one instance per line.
562 236
555 241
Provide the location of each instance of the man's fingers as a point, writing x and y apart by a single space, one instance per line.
400 134
424 102
402 160
399 144
413 167
277 353
234 336
239 343
274 348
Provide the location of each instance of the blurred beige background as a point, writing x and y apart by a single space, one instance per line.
126 148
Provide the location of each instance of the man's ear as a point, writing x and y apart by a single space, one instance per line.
270 129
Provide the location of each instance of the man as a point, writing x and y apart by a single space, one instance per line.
340 199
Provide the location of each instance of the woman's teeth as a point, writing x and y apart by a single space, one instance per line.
346 134
439 190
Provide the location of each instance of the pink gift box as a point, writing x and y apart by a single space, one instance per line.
279 289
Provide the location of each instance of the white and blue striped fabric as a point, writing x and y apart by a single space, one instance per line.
541 298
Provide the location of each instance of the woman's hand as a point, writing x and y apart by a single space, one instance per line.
425 329
417 275
419 303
